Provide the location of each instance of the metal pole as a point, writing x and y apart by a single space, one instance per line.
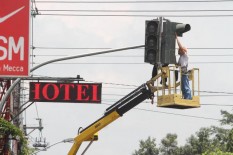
160 40
56 60
87 148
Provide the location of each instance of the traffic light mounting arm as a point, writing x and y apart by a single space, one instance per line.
160 31
150 83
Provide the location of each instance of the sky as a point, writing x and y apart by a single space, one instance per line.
55 36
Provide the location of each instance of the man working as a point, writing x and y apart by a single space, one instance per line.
183 63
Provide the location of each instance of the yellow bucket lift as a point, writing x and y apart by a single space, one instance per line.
170 95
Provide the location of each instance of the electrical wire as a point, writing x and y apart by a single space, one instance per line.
127 63
231 93
126 86
138 1
131 86
104 48
116 84
133 56
121 15
200 95
72 48
176 114
192 116
108 11
203 104
222 105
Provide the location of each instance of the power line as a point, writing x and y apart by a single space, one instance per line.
207 118
222 105
135 56
63 10
97 48
138 1
132 63
211 48
72 48
135 86
116 84
226 62
121 15
231 93
40 55
200 95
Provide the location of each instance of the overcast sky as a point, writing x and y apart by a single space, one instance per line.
122 72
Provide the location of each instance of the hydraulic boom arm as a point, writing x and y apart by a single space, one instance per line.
111 114
130 101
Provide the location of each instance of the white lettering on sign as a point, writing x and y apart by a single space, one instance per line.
12 48
12 68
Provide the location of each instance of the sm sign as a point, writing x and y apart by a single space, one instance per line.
14 37
65 92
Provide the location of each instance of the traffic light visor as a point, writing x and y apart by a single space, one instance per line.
182 28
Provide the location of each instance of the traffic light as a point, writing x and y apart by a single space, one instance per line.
168 46
151 41
181 28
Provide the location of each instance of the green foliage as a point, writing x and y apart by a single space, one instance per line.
7 128
207 141
169 145
217 152
230 141
147 147
227 118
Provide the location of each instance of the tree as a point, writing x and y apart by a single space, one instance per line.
220 136
217 152
207 141
147 147
8 129
204 141
169 145
191 146
230 141
228 120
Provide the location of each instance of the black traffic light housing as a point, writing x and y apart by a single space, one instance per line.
168 46
168 43
151 41
165 41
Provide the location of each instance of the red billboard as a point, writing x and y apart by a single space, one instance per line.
65 92
14 37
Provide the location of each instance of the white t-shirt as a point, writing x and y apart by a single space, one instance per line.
183 62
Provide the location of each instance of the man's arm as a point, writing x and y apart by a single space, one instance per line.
182 48
178 42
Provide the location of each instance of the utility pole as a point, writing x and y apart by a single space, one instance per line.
160 31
